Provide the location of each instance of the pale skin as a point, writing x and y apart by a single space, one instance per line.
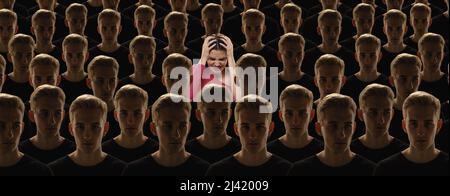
40 75
20 56
253 30
337 127
142 57
103 84
420 22
88 127
109 29
406 80
10 131
48 115
291 55
422 124
215 117
368 56
131 113
253 129
75 57
8 28
43 30
329 80
329 30
376 112
171 127
394 29
296 114
431 55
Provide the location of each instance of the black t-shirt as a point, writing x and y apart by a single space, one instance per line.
438 27
161 55
74 89
294 155
398 165
92 11
384 66
128 155
232 28
121 55
396 129
411 43
349 44
213 155
376 155
269 54
9 65
311 56
312 166
436 88
228 15
47 156
308 44
114 127
22 90
147 166
27 166
230 166
65 166
354 86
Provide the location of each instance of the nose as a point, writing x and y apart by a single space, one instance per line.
381 119
130 119
341 133
176 134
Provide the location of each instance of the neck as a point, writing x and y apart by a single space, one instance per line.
44 47
88 159
110 104
3 47
171 159
367 75
253 46
141 77
193 5
289 75
336 159
296 141
95 3
173 48
213 141
421 156
398 102
228 6
19 77
109 46
376 141
10 158
253 159
47 142
417 35
329 47
75 75
131 142
431 75
395 47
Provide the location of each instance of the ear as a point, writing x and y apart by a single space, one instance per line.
165 33
312 114
98 29
360 114
106 128
264 29
380 56
9 57
130 58
242 29
198 115
147 114
31 116
116 115
30 81
404 126
71 130
391 81
318 31
58 80
87 57
202 22
271 128
135 24
120 29
280 115
301 22
63 57
353 22
279 55
318 128
236 130
66 23
32 31
315 81
439 126
153 129
344 80
88 83
163 82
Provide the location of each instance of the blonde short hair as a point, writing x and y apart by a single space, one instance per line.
395 14
251 60
421 98
291 7
329 14
102 61
434 38
76 8
405 59
109 13
253 102
420 7
175 60
88 102
170 100
75 39
368 39
292 38
363 8
335 100
43 15
11 102
214 89
145 10
329 60
6 14
143 41
212 8
375 90
20 39
46 91
253 13
44 60
131 91
298 92
175 16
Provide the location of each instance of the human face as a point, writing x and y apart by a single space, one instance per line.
47 4
7 30
21 56
364 22
88 128
77 23
253 129
420 22
176 32
144 24
330 30
110 4
217 59
215 117
104 83
368 56
178 5
393 4
48 115
292 55
44 30
43 75
406 80
11 126
421 123
75 56
212 23
109 29
432 55
253 29
337 127
172 127
377 113
143 58
329 80
296 114
291 21
394 29
131 115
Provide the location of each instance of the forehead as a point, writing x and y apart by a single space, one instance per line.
431 46
329 22
247 115
394 21
9 114
22 48
6 21
378 102
420 14
109 21
360 15
212 15
253 21
218 53
172 114
176 24
44 70
43 22
329 71
291 46
130 103
49 103
369 47
88 115
216 105
296 103
104 72
74 48
290 14
76 15
407 70
339 114
142 48
143 16
420 112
